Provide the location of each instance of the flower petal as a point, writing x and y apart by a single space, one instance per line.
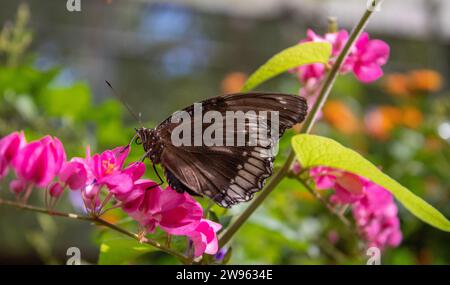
367 73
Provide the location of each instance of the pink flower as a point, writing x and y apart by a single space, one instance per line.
91 174
40 161
324 177
121 185
365 59
117 184
74 175
175 213
368 58
87 164
316 71
348 187
107 170
376 218
136 170
9 147
204 237
311 74
337 40
374 209
79 174
109 162
133 199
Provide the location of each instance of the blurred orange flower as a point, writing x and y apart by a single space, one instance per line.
233 82
396 84
340 116
381 121
425 80
411 117
416 81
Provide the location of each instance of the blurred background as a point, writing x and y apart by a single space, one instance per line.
164 55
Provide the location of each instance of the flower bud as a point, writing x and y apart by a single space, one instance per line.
56 190
17 186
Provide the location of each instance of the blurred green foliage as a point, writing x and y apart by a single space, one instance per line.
31 100
290 228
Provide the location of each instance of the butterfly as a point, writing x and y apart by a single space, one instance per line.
227 174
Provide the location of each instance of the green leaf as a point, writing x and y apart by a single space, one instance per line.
301 54
319 151
121 251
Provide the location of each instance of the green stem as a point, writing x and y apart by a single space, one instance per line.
99 221
306 128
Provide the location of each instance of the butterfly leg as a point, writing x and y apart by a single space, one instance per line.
161 182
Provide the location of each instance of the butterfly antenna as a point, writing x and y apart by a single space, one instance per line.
122 100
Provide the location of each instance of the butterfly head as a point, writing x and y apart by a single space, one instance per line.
149 140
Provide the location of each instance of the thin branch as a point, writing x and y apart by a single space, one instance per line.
99 221
44 211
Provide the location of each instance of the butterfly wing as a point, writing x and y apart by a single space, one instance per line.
229 174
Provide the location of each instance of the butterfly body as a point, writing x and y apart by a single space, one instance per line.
228 173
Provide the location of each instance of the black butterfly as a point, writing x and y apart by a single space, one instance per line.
226 174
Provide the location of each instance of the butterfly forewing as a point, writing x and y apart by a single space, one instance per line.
229 174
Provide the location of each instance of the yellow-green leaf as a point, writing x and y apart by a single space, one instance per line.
301 54
314 151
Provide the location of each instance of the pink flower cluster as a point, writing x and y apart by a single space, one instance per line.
364 60
373 207
100 178
35 163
